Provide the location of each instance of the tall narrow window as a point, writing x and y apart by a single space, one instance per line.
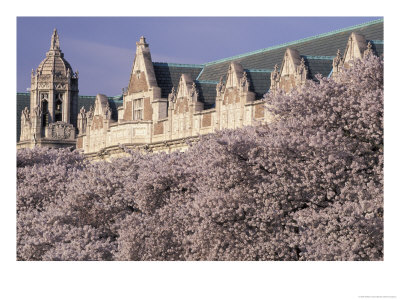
58 108
45 113
138 109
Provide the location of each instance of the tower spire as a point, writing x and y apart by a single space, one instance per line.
55 41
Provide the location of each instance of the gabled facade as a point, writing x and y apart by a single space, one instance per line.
293 73
166 105
357 47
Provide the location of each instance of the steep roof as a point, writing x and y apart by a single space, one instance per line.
318 52
168 75
321 45
207 92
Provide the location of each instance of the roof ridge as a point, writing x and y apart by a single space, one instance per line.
178 65
295 42
206 81
322 57
259 70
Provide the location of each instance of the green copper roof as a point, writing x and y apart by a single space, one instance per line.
206 81
317 50
259 70
318 57
296 42
163 64
376 42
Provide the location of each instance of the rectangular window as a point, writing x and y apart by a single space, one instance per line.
138 109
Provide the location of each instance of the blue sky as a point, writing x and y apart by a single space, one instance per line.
103 48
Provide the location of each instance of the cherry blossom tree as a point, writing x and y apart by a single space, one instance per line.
308 186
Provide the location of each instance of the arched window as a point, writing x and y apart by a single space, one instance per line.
58 108
45 113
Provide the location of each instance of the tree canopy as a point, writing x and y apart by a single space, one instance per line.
307 186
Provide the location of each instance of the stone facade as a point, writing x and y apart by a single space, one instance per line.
165 124
51 119
165 106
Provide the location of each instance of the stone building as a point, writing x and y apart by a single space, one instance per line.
51 119
165 104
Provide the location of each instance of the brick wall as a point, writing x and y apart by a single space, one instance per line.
181 106
159 128
259 110
147 110
287 83
79 143
137 84
206 120
231 96
128 111
97 123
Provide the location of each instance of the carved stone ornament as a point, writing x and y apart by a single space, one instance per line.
107 112
337 61
275 76
60 77
302 63
302 71
243 79
44 85
220 86
60 130
82 112
44 78
26 115
82 121
90 113
172 95
38 111
369 50
193 90
59 86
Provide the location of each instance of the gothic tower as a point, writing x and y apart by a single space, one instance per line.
52 118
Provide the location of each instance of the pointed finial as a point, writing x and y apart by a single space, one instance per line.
369 50
244 77
142 41
337 60
55 41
